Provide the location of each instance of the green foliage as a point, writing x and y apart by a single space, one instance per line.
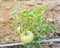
36 22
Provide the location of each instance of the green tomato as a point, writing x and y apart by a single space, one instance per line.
18 29
26 37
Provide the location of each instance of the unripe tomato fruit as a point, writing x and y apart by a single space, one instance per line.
26 38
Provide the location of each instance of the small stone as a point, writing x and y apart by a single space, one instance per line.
30 3
51 44
8 7
2 20
50 20
15 0
2 42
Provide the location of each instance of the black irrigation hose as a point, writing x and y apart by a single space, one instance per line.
43 41
51 40
12 44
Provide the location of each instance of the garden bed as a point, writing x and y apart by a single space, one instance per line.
7 33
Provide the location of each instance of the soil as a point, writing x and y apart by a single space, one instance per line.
9 35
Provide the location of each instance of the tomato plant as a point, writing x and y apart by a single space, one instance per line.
35 22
